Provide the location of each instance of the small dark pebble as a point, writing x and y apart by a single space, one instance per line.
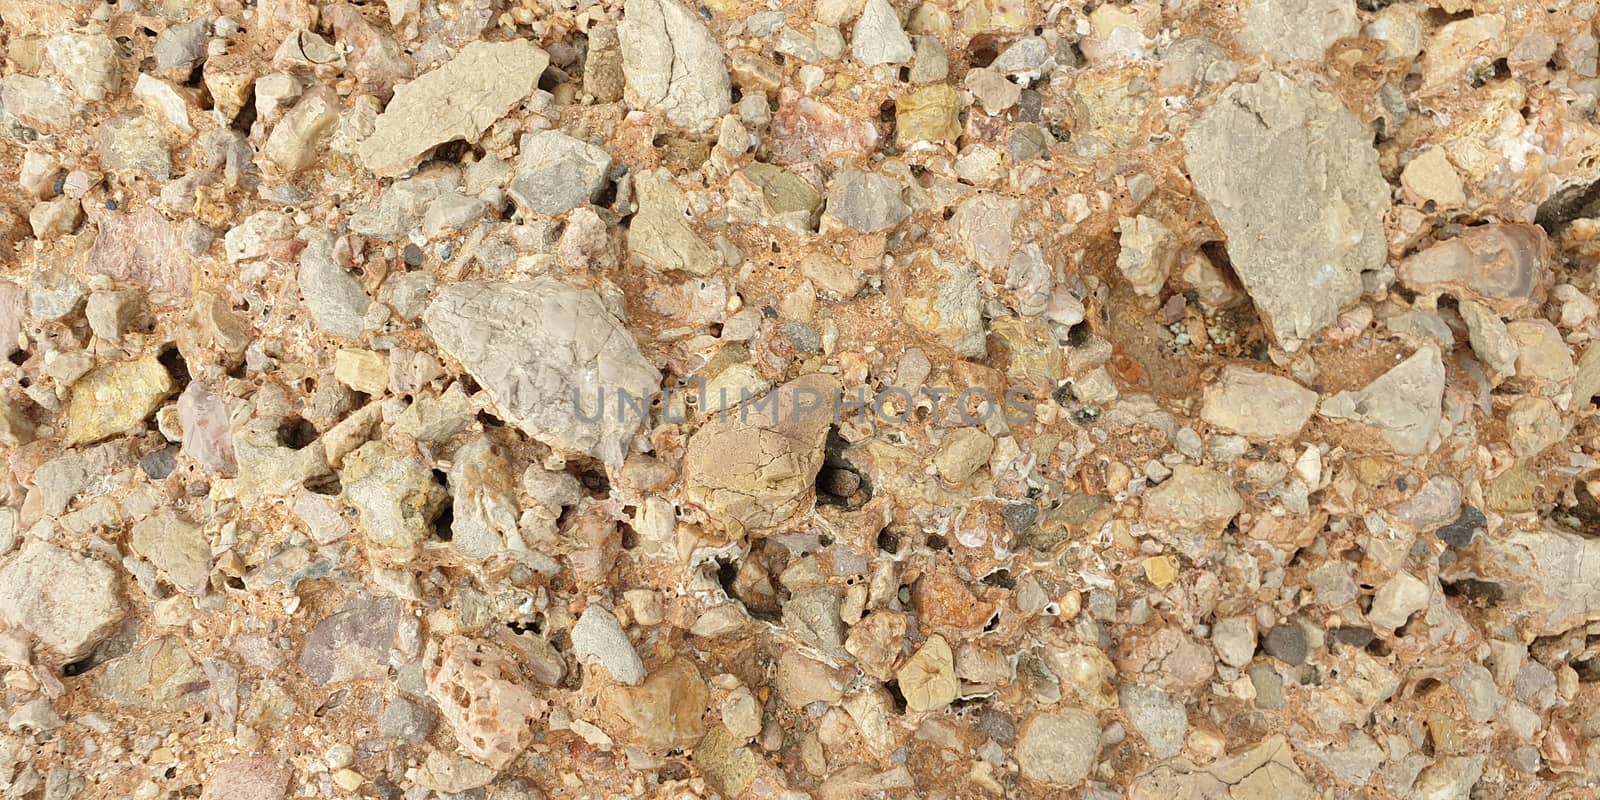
160 464
413 255
1354 637
1459 534
840 482
997 725
1020 516
804 337
1287 643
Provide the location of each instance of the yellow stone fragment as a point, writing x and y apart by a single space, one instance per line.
1161 571
929 114
362 370
348 779
114 398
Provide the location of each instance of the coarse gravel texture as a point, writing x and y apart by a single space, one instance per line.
830 399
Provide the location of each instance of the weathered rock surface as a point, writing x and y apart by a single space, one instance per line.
1293 180
1500 266
1402 406
556 173
113 399
1058 747
754 465
671 62
394 493
553 358
66 601
1257 404
459 100
599 639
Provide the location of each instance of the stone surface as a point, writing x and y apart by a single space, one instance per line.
1296 30
928 678
552 358
480 694
556 173
1193 495
112 399
1058 747
599 639
177 547
1186 400
1157 717
1277 157
754 466
865 201
1402 405
1257 404
459 100
661 235
394 494
248 778
672 63
66 601
1500 266
877 37
664 712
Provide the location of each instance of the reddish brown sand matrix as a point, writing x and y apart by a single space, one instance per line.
799 400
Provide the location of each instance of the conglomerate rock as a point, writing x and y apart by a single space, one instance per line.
821 400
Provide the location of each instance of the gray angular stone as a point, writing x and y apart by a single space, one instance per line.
552 358
1234 639
878 38
1396 600
1159 718
1352 762
1402 405
556 173
159 675
335 297
1292 177
813 616
38 103
179 46
68 602
672 62
1287 643
405 722
600 640
1490 340
459 100
866 201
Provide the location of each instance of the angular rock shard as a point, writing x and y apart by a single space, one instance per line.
671 62
1292 178
556 363
1402 406
1257 404
459 100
